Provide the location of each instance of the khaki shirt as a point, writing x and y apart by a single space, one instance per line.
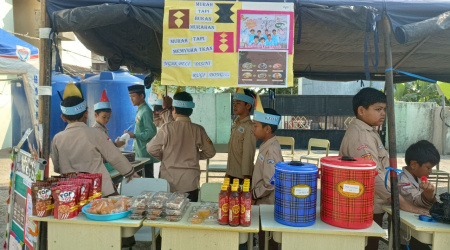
241 149
269 155
101 127
409 188
82 149
362 140
164 117
180 145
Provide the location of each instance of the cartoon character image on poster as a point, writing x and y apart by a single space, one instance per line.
264 32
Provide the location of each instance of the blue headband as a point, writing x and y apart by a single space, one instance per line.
244 98
183 104
102 105
266 118
75 110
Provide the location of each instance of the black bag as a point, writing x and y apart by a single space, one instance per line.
440 211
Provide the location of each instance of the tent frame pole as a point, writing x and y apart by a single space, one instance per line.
389 89
45 62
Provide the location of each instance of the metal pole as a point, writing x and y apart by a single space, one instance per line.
45 61
389 88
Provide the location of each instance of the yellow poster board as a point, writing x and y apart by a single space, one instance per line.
228 44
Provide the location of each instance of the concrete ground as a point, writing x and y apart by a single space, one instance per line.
5 163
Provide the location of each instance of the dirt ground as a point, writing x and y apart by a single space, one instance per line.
5 163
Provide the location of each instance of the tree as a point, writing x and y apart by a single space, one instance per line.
417 91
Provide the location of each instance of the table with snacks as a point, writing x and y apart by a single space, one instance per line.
192 233
435 233
83 233
320 235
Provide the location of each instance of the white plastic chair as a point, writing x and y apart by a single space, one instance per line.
210 192
135 187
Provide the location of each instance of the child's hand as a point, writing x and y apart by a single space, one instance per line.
130 133
134 175
428 190
167 102
119 143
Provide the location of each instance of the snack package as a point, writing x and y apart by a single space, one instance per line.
41 196
96 185
66 200
85 189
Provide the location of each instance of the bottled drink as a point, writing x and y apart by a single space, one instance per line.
246 206
223 205
234 206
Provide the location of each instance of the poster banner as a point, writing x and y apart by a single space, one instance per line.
228 44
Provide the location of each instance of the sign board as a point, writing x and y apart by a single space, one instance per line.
228 44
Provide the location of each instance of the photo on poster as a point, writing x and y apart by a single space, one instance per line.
264 31
262 68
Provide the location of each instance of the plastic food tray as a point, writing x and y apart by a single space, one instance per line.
104 217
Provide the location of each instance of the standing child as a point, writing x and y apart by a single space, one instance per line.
103 112
82 149
265 123
420 159
242 144
180 145
362 140
145 129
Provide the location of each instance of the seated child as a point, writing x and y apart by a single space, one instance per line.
265 124
180 145
82 149
420 159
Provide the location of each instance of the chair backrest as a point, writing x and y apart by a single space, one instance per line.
287 141
137 185
221 148
319 143
210 192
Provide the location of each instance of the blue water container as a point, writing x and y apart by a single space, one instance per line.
116 85
21 119
295 193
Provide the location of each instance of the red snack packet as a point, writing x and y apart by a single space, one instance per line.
69 175
66 200
41 196
96 185
423 179
85 189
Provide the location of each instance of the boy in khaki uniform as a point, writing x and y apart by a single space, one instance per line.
362 140
180 145
82 149
420 159
242 144
265 123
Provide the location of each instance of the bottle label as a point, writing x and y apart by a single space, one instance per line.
246 207
223 211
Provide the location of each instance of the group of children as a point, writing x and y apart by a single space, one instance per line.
180 144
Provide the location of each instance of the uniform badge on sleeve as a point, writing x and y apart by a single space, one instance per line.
361 147
241 129
209 141
261 157
367 156
270 161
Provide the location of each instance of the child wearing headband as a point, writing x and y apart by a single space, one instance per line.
180 145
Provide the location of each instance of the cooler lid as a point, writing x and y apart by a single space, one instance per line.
295 166
348 162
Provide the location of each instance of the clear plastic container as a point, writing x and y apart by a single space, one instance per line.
176 203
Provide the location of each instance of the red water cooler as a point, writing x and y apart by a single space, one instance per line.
348 190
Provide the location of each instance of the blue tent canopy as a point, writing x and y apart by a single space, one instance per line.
9 49
335 40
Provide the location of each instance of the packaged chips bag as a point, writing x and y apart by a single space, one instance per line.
66 201
41 196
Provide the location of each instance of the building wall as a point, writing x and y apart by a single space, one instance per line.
213 112
313 87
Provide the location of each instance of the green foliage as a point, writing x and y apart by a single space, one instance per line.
417 91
